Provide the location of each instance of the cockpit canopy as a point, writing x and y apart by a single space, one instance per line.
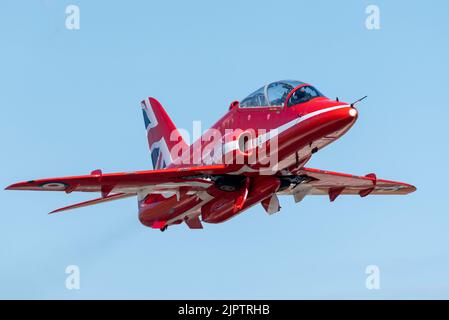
275 94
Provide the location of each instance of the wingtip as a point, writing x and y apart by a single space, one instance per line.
409 188
24 185
11 186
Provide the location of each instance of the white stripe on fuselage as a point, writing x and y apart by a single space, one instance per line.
233 145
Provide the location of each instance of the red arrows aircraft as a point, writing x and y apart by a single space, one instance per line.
254 153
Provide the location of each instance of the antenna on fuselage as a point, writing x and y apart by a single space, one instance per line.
357 101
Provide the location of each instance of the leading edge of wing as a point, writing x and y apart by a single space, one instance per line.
96 181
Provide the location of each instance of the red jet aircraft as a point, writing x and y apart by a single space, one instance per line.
254 153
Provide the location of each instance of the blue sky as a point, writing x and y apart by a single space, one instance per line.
70 104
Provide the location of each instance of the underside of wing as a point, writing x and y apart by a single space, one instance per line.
156 181
333 184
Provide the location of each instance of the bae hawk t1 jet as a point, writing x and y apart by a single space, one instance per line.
257 151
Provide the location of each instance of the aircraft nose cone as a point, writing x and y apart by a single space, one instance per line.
353 112
339 120
349 116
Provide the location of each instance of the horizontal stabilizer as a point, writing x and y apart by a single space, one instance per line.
113 197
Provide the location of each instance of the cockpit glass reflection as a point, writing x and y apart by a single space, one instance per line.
273 94
255 99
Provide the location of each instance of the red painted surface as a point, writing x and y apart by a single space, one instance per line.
185 187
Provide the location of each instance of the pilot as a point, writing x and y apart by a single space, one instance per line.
299 96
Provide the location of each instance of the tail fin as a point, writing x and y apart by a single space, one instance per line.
161 133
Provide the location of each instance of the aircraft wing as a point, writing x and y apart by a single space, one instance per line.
127 182
333 184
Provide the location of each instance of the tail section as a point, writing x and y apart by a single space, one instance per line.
161 133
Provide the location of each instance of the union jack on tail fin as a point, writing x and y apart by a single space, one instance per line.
162 134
